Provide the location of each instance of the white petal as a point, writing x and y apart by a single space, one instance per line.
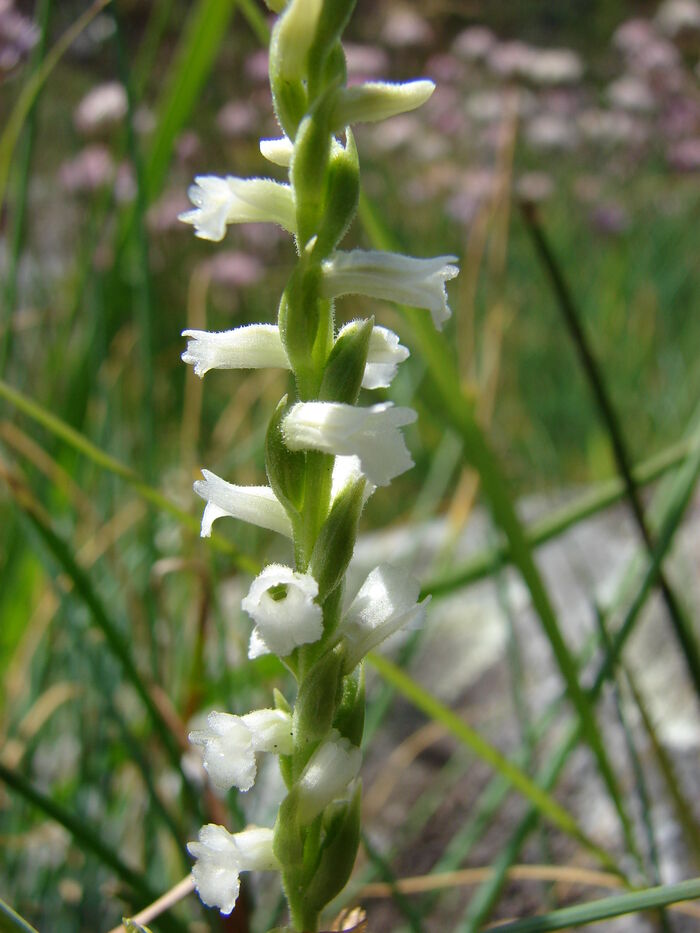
229 756
372 434
418 283
385 354
285 622
222 201
255 504
385 603
379 100
216 870
327 775
221 856
254 346
278 151
271 730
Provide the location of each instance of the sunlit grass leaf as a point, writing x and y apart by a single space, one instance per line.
10 921
606 909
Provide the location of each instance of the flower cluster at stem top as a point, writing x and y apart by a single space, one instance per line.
325 455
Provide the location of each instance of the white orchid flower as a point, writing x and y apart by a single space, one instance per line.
281 603
419 283
386 602
371 434
221 857
379 100
327 776
257 346
255 504
222 201
231 742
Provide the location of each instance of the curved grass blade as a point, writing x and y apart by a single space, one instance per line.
31 90
539 798
685 482
10 921
116 641
80 831
606 909
596 500
94 453
681 625
457 410
19 214
202 35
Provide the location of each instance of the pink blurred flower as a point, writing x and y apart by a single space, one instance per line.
102 107
403 28
18 36
474 44
610 218
444 69
510 59
549 67
678 17
237 118
91 169
369 62
684 155
551 131
534 187
634 35
630 92
256 66
235 269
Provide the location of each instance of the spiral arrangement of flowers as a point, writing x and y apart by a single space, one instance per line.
325 455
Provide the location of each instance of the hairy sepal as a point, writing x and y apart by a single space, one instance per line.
345 368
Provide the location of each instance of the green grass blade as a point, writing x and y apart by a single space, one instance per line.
117 642
607 908
19 214
538 797
571 316
684 484
30 91
106 462
590 503
457 411
10 920
194 58
80 831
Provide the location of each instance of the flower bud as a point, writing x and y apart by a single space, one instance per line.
379 100
346 364
326 777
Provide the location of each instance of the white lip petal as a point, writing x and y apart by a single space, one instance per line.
255 504
418 283
371 434
222 201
